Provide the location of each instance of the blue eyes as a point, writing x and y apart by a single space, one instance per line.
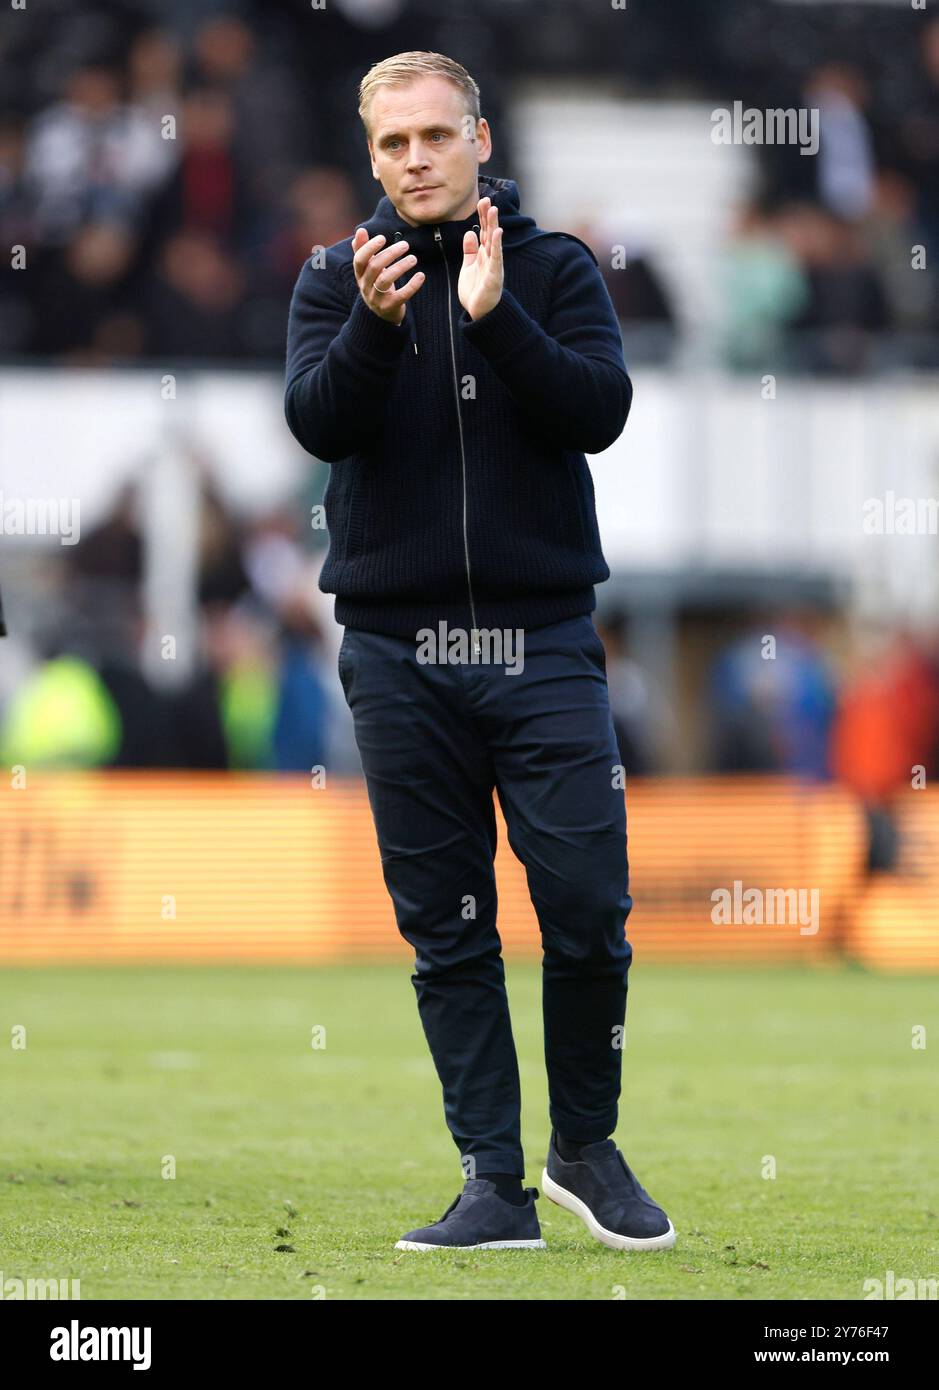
392 144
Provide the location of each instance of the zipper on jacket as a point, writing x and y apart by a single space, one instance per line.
459 419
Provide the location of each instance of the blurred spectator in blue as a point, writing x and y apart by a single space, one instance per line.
844 164
773 702
300 729
284 577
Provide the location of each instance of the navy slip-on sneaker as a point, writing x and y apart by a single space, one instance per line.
603 1191
479 1219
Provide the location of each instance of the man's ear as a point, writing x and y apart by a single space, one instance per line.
483 140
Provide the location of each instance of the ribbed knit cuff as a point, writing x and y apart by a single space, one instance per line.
505 329
374 337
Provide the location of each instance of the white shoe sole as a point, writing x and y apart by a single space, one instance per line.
486 1245
562 1198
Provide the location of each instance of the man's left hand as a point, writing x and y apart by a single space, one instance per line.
479 287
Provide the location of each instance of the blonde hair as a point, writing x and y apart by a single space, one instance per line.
406 67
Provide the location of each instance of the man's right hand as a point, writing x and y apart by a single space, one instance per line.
372 274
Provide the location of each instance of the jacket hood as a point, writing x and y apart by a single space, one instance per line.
518 228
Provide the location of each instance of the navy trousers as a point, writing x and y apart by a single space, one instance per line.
435 741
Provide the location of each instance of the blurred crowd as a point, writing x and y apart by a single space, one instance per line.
785 690
790 693
168 173
167 169
830 268
248 689
165 202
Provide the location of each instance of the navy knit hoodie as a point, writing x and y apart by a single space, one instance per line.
458 486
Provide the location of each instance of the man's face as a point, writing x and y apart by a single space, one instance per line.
421 135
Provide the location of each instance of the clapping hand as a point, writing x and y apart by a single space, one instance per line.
479 287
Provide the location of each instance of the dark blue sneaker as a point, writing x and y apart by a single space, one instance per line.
479 1219
601 1189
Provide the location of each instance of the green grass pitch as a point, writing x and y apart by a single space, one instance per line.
297 1168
